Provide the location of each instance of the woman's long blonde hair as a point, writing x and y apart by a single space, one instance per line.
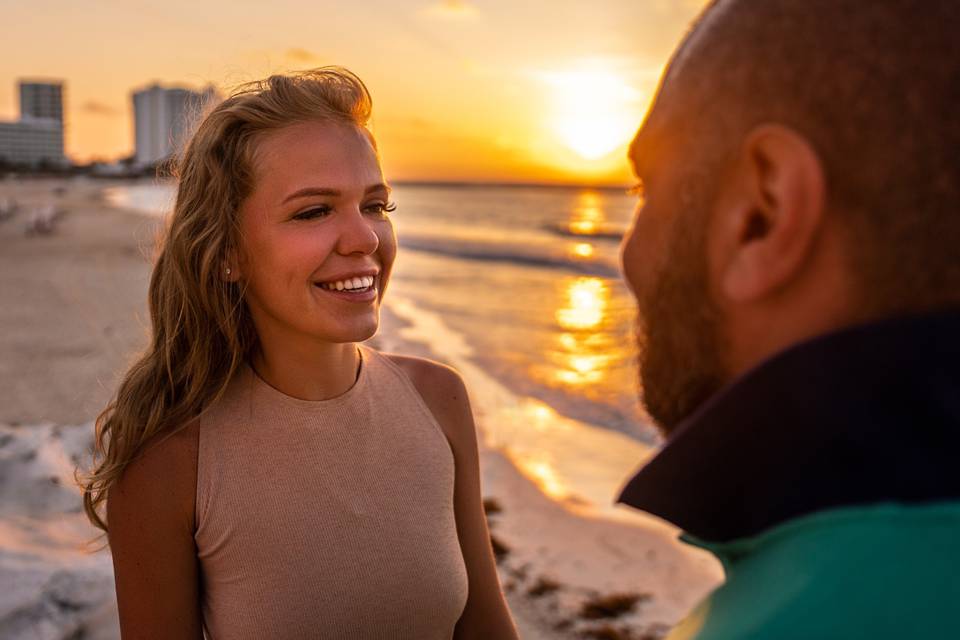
201 331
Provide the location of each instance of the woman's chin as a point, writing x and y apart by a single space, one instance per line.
357 332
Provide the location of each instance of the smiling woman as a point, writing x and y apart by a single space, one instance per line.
315 258
264 474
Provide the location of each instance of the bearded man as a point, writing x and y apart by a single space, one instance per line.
796 262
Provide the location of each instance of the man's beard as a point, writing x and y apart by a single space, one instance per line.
679 328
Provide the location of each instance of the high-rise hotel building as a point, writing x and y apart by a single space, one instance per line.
163 118
36 139
41 100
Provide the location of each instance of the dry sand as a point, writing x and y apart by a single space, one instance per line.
72 314
72 303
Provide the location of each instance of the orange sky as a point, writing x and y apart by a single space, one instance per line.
499 90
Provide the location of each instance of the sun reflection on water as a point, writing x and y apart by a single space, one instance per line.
582 352
583 227
544 475
587 300
539 466
582 250
588 215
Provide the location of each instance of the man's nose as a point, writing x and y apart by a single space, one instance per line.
357 235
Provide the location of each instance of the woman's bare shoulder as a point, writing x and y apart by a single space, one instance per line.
423 371
161 481
444 392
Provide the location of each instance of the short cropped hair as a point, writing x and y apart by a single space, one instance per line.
874 86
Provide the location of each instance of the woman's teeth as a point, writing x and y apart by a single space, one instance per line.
351 284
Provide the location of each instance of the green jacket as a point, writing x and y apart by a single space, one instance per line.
886 571
827 482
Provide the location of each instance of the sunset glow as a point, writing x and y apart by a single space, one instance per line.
464 91
596 111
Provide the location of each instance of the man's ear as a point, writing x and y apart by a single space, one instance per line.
771 214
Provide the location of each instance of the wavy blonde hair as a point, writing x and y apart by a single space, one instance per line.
201 330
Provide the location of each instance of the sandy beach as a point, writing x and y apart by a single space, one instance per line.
73 302
73 313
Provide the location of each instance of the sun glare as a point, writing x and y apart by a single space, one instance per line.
595 111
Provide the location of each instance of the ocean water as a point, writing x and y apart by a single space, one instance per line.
519 288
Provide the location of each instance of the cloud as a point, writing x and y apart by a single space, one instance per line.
452 10
99 108
301 55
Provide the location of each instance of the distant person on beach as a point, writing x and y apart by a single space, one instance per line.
265 475
796 262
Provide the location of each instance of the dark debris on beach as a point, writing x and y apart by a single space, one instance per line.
500 550
491 506
612 605
542 587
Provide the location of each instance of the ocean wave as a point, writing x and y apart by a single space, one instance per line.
512 254
586 230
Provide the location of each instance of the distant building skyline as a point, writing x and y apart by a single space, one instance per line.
163 118
36 138
41 99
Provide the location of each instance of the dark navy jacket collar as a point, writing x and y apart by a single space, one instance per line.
869 414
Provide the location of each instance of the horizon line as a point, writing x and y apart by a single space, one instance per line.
510 184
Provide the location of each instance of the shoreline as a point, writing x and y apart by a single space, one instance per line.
80 313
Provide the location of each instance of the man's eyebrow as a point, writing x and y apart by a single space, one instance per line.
638 154
646 147
324 191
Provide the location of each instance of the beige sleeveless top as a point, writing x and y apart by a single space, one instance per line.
327 519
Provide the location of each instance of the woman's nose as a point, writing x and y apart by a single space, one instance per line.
357 235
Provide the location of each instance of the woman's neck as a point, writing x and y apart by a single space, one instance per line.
320 373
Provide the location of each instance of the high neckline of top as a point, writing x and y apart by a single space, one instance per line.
274 394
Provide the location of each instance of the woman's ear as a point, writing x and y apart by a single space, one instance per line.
230 267
772 214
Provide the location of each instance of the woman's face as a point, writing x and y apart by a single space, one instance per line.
317 244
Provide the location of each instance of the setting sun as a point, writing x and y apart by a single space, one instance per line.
595 110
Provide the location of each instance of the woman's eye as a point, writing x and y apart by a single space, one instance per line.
381 208
315 212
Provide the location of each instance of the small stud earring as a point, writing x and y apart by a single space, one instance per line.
228 270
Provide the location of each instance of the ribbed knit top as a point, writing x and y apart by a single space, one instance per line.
327 519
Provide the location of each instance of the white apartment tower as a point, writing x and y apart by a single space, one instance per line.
163 118
41 100
36 139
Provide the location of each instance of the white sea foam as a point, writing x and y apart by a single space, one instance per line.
151 199
53 586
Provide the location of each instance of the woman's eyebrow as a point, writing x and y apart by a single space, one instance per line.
310 191
377 187
324 191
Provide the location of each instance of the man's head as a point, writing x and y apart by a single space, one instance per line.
801 170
